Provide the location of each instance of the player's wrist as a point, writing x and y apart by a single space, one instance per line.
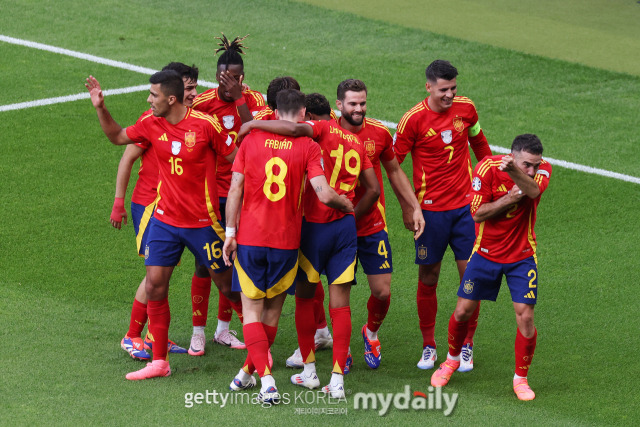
118 202
230 231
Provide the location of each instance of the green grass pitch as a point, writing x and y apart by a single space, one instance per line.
67 279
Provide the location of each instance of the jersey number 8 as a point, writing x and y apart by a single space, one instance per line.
273 178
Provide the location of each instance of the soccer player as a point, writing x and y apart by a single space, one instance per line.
231 106
506 193
437 132
374 251
329 241
143 201
270 170
323 338
186 144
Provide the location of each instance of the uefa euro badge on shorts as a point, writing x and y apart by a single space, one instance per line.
468 287
422 252
146 252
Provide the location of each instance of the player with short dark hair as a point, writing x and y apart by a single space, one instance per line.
438 132
374 250
505 197
143 202
329 240
231 106
269 170
186 143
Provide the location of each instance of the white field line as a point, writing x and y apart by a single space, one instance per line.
148 71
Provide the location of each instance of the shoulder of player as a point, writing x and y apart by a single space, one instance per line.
543 171
489 163
205 118
145 116
205 96
377 126
254 96
463 101
412 113
263 114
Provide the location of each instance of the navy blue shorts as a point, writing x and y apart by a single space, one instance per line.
141 215
328 249
222 201
482 279
453 228
374 253
260 272
166 243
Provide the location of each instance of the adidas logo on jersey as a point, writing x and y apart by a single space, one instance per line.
385 265
530 295
430 133
502 188
163 137
215 266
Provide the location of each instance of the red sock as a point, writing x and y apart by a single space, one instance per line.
225 311
159 320
377 312
200 291
318 307
341 325
306 328
427 310
237 307
258 346
138 319
525 347
457 332
473 324
271 332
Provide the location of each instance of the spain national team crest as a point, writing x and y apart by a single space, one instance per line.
468 287
458 124
175 147
370 147
422 252
228 121
446 136
190 139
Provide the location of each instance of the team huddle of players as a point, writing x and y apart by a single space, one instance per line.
269 197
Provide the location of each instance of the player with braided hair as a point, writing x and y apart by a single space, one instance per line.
231 106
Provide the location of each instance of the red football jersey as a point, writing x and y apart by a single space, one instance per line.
274 168
266 113
439 148
378 145
146 188
227 114
508 237
185 154
344 158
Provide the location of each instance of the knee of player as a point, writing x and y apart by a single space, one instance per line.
381 294
464 309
